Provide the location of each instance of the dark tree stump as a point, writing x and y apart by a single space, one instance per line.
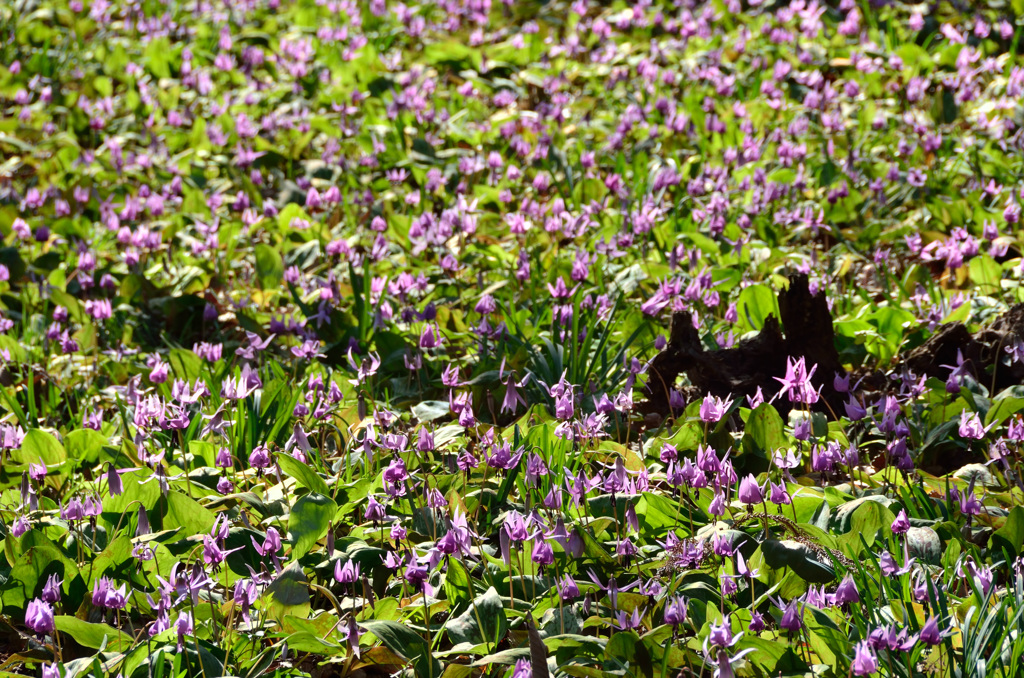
753 363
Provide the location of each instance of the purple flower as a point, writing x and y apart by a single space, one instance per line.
395 476
259 458
213 554
971 427
253 346
628 621
375 511
224 459
846 592
513 398
675 611
417 575
864 661
435 499
535 469
564 406
890 567
792 617
1015 431
725 662
802 430
543 554
756 400
20 526
626 548
51 591
717 505
39 617
105 595
352 634
720 635
779 495
346 573
797 382
429 338
567 588
969 504
901 524
707 461
37 472
271 543
712 409
983 576
854 410
114 481
749 492
930 633
183 627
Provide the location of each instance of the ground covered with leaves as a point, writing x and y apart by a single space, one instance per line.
470 338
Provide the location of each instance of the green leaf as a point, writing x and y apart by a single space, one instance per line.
117 552
269 267
458 585
40 446
407 644
92 635
863 519
85 445
290 212
185 364
754 305
303 474
188 514
509 656
429 410
203 451
289 593
483 622
800 558
852 515
986 274
626 647
1004 405
821 516
306 641
775 657
30 569
892 324
765 431
686 437
309 521
825 637
157 57
657 513
593 548
138 487
453 53
1011 535
11 345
